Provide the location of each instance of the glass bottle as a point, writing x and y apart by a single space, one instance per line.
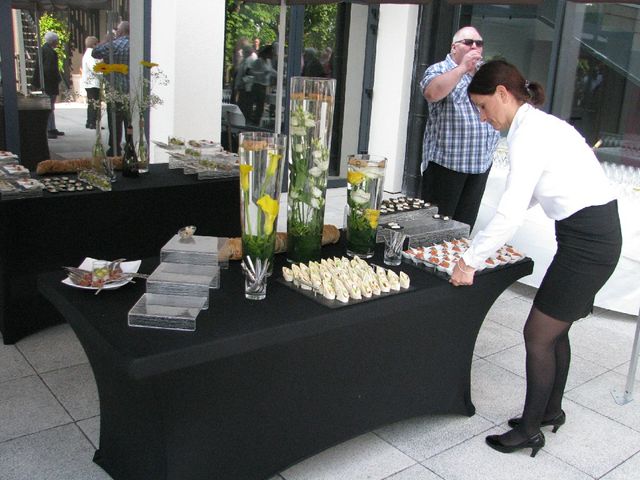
129 157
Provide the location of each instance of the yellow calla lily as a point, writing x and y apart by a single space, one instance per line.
372 217
274 158
244 176
101 67
120 68
354 178
270 208
144 63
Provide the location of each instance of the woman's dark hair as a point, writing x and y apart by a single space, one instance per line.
500 72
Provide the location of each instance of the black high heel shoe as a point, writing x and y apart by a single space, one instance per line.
556 421
534 442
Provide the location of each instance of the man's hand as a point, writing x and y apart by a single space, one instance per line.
470 61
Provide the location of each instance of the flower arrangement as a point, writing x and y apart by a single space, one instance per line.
310 121
365 178
140 98
260 179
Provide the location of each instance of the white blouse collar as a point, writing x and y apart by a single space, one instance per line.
518 119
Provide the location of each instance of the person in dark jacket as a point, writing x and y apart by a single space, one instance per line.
51 76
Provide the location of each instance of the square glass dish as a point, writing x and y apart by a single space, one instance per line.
167 312
184 279
196 250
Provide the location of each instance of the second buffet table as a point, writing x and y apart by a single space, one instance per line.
261 385
134 220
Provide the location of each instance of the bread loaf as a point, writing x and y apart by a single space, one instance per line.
330 234
47 167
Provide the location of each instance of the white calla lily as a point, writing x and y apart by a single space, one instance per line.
315 172
360 196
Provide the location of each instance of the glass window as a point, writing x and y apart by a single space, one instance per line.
599 78
521 34
250 64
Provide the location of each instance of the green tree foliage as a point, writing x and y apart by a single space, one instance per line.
320 26
256 20
50 23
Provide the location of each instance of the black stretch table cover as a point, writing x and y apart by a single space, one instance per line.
261 385
134 220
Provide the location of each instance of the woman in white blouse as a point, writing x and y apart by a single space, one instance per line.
551 165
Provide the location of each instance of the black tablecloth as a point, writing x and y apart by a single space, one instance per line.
134 220
262 384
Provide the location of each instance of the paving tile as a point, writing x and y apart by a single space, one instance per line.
75 387
91 428
513 359
511 313
61 453
597 342
415 472
629 469
597 395
13 364
27 406
494 337
591 442
617 323
366 457
53 348
475 460
523 290
624 370
497 393
423 437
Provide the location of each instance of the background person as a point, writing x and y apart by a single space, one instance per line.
91 82
457 147
51 76
120 83
550 164
262 73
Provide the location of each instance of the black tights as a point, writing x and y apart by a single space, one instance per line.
548 357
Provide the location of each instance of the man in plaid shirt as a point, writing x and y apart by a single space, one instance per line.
120 82
457 147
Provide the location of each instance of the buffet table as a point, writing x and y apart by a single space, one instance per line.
134 220
261 385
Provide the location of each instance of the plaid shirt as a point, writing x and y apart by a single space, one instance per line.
120 55
454 137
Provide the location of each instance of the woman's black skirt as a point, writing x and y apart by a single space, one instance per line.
589 244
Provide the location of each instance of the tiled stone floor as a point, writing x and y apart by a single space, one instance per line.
49 409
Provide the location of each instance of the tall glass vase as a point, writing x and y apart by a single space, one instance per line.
365 182
142 148
310 121
261 167
101 163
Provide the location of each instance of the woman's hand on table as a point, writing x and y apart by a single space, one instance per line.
462 274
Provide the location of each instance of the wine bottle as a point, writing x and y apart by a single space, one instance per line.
129 157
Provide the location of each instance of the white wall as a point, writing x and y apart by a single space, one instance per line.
391 90
187 41
353 83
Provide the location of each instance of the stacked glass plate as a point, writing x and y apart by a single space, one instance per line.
179 287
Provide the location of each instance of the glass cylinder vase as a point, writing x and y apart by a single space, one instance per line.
100 162
261 167
310 122
142 148
365 184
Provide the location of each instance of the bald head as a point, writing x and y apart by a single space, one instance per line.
123 29
458 46
465 32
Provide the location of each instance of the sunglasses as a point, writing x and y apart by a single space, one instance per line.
468 42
